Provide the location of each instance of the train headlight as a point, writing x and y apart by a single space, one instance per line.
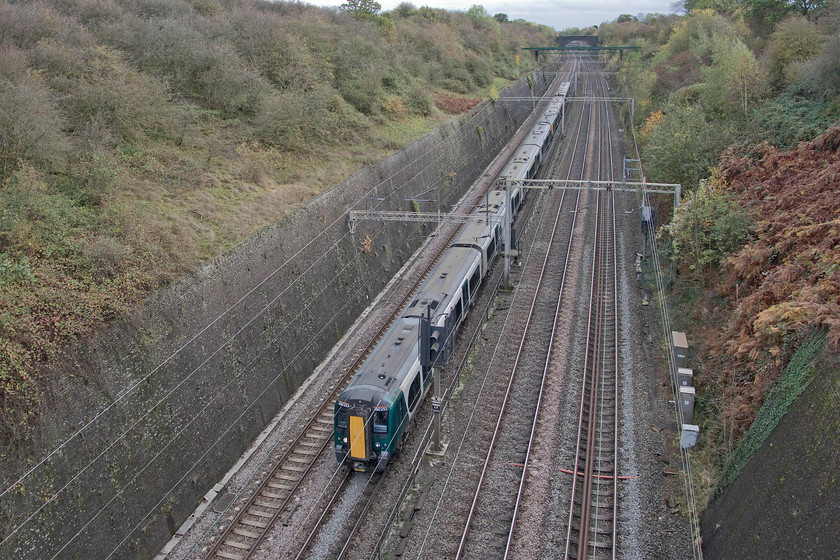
345 439
376 445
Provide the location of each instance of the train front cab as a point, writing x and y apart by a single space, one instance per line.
363 434
368 435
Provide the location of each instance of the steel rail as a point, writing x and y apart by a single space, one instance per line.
241 525
479 486
426 439
526 462
253 538
330 503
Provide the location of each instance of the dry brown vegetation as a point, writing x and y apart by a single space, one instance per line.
787 280
455 104
739 102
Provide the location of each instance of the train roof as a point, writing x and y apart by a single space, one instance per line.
439 288
381 376
476 232
538 134
398 353
563 90
517 168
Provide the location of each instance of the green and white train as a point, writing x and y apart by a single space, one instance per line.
374 413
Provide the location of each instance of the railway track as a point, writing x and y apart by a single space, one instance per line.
427 539
273 494
498 512
592 526
362 507
493 460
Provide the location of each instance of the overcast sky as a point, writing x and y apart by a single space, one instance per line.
559 14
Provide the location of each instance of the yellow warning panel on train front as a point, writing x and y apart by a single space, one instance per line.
357 438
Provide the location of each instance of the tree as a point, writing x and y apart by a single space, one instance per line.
501 18
685 146
794 42
362 9
707 226
805 7
733 81
30 126
405 9
481 18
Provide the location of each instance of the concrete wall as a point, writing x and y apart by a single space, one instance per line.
786 501
148 415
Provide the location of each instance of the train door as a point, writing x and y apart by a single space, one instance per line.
399 420
465 293
415 391
475 282
360 440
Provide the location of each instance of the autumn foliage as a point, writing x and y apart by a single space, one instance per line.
455 104
787 281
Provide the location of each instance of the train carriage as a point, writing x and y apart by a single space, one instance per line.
373 413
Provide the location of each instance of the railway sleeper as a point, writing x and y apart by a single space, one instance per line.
603 529
273 495
229 556
253 523
268 504
263 514
236 544
245 533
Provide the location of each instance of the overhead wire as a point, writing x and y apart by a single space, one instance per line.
480 116
123 394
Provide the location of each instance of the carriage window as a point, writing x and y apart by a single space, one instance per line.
414 393
341 419
401 411
380 422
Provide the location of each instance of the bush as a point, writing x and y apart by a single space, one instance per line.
195 66
419 101
277 51
708 225
795 41
359 68
26 23
822 74
99 91
30 125
795 116
298 121
479 70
